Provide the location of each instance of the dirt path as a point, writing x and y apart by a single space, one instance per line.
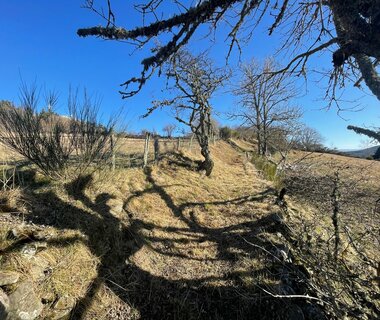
190 218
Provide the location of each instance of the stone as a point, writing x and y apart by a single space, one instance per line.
62 308
24 304
8 277
29 250
4 305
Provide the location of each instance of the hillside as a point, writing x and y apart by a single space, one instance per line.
363 153
169 243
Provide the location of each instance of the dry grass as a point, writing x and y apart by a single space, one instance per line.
165 242
352 168
7 155
311 183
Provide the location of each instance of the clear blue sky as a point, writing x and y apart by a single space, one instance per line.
39 42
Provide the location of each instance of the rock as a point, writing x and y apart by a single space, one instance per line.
29 250
8 277
62 308
24 304
4 305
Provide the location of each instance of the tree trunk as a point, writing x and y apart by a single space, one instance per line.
146 149
369 73
156 149
208 163
258 137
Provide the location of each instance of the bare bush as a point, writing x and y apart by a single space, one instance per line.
59 146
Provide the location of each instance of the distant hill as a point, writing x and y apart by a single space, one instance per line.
363 153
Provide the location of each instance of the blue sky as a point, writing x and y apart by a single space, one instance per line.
39 43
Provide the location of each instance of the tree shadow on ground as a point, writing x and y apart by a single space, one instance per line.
114 242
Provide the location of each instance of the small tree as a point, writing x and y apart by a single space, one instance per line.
57 145
265 101
168 129
194 81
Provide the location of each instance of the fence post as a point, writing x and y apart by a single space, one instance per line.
146 149
156 149
191 141
113 151
178 143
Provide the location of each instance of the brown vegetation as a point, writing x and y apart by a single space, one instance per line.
168 242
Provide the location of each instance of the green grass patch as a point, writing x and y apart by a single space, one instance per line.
268 169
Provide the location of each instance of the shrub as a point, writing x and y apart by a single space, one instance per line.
225 133
57 145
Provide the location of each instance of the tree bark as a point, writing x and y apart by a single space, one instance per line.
369 133
369 73
208 163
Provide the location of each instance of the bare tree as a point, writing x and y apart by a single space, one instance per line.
348 29
265 102
168 129
57 145
309 139
194 82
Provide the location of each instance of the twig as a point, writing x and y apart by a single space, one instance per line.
292 296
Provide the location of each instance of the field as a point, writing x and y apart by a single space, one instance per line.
166 242
313 181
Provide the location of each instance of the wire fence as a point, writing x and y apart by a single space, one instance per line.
139 152
126 152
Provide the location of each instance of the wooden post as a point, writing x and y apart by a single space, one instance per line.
178 143
146 149
113 152
191 141
156 149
